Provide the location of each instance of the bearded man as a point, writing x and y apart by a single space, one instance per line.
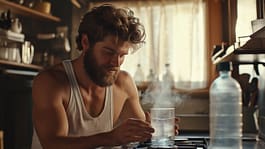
88 102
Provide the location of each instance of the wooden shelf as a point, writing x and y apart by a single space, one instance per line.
242 56
22 10
20 66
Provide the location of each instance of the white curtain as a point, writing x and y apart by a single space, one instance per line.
246 12
176 35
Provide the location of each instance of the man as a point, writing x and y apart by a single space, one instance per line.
89 102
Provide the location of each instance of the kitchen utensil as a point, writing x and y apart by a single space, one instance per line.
5 20
16 26
4 53
27 52
14 55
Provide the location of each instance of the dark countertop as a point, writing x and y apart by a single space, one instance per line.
250 140
253 145
195 140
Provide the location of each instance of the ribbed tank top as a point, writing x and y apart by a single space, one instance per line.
80 122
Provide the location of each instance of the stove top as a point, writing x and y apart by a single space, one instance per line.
194 141
180 143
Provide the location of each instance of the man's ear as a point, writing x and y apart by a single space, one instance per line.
85 42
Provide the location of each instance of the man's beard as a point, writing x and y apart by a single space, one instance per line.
99 74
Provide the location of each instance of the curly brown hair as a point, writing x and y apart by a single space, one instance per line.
107 20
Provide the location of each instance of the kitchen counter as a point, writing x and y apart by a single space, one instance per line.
254 144
250 141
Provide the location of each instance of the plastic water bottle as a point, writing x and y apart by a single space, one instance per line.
225 110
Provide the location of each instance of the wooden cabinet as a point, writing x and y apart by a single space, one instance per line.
29 14
22 10
16 78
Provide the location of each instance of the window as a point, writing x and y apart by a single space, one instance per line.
176 35
247 12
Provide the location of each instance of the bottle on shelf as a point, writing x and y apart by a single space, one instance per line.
225 110
151 77
139 75
168 79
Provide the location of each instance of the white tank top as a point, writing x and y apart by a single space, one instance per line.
80 122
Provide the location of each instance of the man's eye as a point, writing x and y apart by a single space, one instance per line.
109 52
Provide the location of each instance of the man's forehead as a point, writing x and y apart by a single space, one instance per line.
132 48
115 41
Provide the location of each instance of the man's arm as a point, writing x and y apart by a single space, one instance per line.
50 121
132 107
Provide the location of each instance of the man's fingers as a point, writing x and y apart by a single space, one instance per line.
147 116
140 125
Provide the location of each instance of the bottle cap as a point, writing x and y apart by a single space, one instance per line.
224 66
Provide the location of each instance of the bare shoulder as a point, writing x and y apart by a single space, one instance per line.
50 83
126 84
53 75
131 107
124 79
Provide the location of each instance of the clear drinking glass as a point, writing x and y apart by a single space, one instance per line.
163 121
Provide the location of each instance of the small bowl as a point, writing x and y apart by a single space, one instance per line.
44 7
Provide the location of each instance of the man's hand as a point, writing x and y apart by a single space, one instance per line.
131 130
